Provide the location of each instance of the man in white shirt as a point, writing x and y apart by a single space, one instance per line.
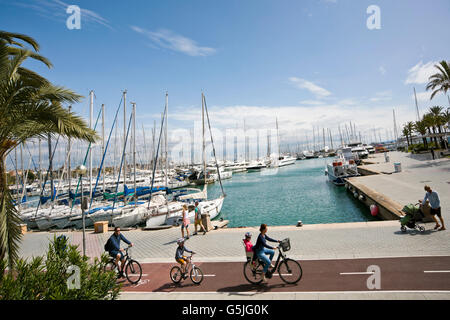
435 203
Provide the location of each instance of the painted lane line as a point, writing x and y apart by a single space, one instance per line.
354 273
209 275
437 271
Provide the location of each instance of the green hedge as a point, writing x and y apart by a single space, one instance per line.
47 279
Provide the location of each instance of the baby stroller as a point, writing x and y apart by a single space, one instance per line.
413 215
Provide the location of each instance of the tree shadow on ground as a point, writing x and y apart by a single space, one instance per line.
170 286
256 288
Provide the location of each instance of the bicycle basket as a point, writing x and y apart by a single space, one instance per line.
285 244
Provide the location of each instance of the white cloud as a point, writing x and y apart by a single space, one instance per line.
164 38
423 96
311 102
311 87
420 73
382 96
382 70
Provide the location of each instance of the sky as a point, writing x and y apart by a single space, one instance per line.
307 63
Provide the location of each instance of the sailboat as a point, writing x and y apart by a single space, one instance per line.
208 207
282 160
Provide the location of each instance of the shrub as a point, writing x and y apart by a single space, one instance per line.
47 279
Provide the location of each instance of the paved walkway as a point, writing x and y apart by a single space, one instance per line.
407 186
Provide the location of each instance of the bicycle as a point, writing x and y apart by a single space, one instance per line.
132 269
196 274
288 269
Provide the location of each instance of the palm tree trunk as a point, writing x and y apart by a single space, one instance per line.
435 139
10 233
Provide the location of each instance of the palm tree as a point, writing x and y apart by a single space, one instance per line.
405 132
440 82
437 113
410 126
421 128
430 122
30 107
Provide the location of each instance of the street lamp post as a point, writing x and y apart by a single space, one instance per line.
82 171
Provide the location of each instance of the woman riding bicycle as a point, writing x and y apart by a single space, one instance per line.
262 249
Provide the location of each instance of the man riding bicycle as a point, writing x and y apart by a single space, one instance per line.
113 248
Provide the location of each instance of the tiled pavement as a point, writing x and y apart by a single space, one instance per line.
326 241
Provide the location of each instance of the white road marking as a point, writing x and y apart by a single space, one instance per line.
437 271
353 273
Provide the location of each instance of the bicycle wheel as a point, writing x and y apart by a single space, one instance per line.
290 271
196 275
253 274
175 274
133 271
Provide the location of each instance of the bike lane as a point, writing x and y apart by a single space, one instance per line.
395 274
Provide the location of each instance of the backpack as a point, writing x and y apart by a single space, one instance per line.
108 245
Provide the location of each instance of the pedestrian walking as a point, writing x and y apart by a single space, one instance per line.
185 222
198 219
433 198
432 153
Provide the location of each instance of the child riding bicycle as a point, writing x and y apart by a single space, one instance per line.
180 258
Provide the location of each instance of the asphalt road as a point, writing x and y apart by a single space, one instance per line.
395 274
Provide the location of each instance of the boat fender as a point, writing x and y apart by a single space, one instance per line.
355 194
373 210
362 197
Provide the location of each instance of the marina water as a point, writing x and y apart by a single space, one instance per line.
286 195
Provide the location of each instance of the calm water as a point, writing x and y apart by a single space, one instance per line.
296 192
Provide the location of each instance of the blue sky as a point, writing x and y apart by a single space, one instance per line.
309 63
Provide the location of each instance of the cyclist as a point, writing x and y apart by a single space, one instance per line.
262 249
113 248
180 258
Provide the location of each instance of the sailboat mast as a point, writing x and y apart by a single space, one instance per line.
203 137
167 147
278 137
124 136
134 151
50 159
331 139
103 145
323 132
417 106
91 115
69 171
40 166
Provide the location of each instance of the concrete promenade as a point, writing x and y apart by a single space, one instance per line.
404 187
